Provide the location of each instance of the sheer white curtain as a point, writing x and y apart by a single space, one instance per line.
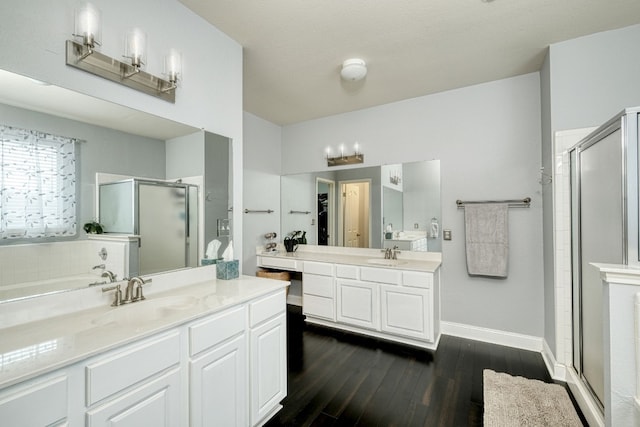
37 184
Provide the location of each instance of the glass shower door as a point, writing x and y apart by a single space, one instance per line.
598 232
162 226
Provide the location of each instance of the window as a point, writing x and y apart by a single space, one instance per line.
37 184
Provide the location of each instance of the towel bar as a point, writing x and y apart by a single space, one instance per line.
513 203
258 211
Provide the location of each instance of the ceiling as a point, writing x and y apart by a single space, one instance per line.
293 49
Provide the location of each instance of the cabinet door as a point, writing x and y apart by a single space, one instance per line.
41 403
218 386
268 372
358 304
407 312
153 404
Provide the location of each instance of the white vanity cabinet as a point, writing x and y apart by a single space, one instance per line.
407 310
43 402
318 292
137 385
390 303
358 303
218 370
268 356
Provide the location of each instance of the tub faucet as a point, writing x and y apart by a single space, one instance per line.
99 266
108 274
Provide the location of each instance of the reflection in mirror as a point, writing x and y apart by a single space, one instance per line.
117 143
374 207
162 215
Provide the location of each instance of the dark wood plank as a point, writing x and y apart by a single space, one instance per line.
341 379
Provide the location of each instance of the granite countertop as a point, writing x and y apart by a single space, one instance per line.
31 349
363 258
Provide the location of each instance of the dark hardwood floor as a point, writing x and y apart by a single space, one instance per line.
340 379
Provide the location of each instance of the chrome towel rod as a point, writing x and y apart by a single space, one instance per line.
300 212
258 211
513 203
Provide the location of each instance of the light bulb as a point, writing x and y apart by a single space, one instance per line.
88 25
136 47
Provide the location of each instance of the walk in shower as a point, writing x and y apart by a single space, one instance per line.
604 229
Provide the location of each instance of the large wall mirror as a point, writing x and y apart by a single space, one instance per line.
114 143
368 207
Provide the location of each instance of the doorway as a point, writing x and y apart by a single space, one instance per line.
354 221
325 216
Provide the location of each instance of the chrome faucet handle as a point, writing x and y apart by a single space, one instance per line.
395 252
118 295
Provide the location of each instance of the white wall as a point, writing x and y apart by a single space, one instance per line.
32 43
488 140
594 77
262 184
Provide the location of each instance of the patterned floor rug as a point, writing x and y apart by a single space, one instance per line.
517 401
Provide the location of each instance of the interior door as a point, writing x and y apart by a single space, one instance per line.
352 217
355 222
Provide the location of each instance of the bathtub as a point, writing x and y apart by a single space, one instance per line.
50 286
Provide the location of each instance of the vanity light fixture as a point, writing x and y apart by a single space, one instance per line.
395 178
341 160
82 53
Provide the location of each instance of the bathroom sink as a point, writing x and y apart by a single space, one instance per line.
387 262
145 311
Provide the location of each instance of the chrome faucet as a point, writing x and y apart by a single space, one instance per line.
99 266
395 252
140 281
387 253
129 294
110 275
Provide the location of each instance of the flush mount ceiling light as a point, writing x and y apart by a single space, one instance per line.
353 69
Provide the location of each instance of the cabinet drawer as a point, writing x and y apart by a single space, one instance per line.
320 268
267 307
282 263
111 374
417 280
381 275
347 271
40 404
216 329
317 285
316 306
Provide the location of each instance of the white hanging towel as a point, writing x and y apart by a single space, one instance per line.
487 239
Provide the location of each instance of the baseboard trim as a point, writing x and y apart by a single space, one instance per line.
294 300
557 370
493 336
